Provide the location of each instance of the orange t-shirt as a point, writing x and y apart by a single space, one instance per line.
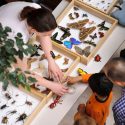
95 109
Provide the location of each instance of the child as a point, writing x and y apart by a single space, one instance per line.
98 104
81 118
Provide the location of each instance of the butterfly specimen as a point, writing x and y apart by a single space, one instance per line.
101 34
35 54
55 40
66 61
38 47
4 120
81 71
76 8
85 51
93 36
72 42
73 16
84 15
84 32
89 42
97 58
66 32
78 25
102 26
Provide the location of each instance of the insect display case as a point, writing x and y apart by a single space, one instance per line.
82 30
104 6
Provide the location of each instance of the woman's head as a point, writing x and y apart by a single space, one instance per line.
115 70
41 20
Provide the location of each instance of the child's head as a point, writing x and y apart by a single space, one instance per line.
100 85
81 118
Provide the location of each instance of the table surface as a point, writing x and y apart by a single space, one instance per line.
49 116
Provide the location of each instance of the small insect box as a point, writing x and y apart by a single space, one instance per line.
82 30
104 6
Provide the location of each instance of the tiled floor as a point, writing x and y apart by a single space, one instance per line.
68 119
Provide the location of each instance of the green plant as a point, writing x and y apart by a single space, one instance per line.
9 48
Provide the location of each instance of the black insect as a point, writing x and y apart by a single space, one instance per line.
102 26
5 120
35 54
13 102
28 103
93 36
84 15
12 112
38 47
7 95
3 106
21 117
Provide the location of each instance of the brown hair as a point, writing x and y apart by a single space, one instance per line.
41 19
115 69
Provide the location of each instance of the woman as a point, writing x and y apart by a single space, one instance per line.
29 18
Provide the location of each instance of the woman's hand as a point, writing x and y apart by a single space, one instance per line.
54 71
59 89
74 80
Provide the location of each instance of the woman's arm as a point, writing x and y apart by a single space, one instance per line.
53 68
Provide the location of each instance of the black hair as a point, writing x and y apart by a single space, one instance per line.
100 84
41 19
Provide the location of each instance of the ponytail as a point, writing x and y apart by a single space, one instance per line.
25 12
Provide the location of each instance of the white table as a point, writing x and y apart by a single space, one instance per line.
54 116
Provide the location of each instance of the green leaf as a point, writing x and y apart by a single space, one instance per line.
20 54
19 35
19 43
31 79
2 76
22 78
10 42
5 85
7 29
27 86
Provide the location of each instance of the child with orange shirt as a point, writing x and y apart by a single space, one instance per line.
98 104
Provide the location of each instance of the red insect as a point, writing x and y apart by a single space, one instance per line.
101 34
55 102
97 58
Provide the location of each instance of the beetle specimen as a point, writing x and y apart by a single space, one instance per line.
76 8
5 120
3 106
22 117
97 58
84 15
7 95
13 102
101 34
12 112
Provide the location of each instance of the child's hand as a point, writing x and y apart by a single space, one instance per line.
74 80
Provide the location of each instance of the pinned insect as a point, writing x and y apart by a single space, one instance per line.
13 102
7 95
101 34
38 47
102 26
3 106
57 57
22 117
78 25
55 40
55 102
89 42
5 120
66 61
64 70
84 32
97 58
81 71
76 8
93 36
73 16
35 54
66 32
12 112
84 15
85 51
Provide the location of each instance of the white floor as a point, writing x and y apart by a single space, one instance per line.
68 119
